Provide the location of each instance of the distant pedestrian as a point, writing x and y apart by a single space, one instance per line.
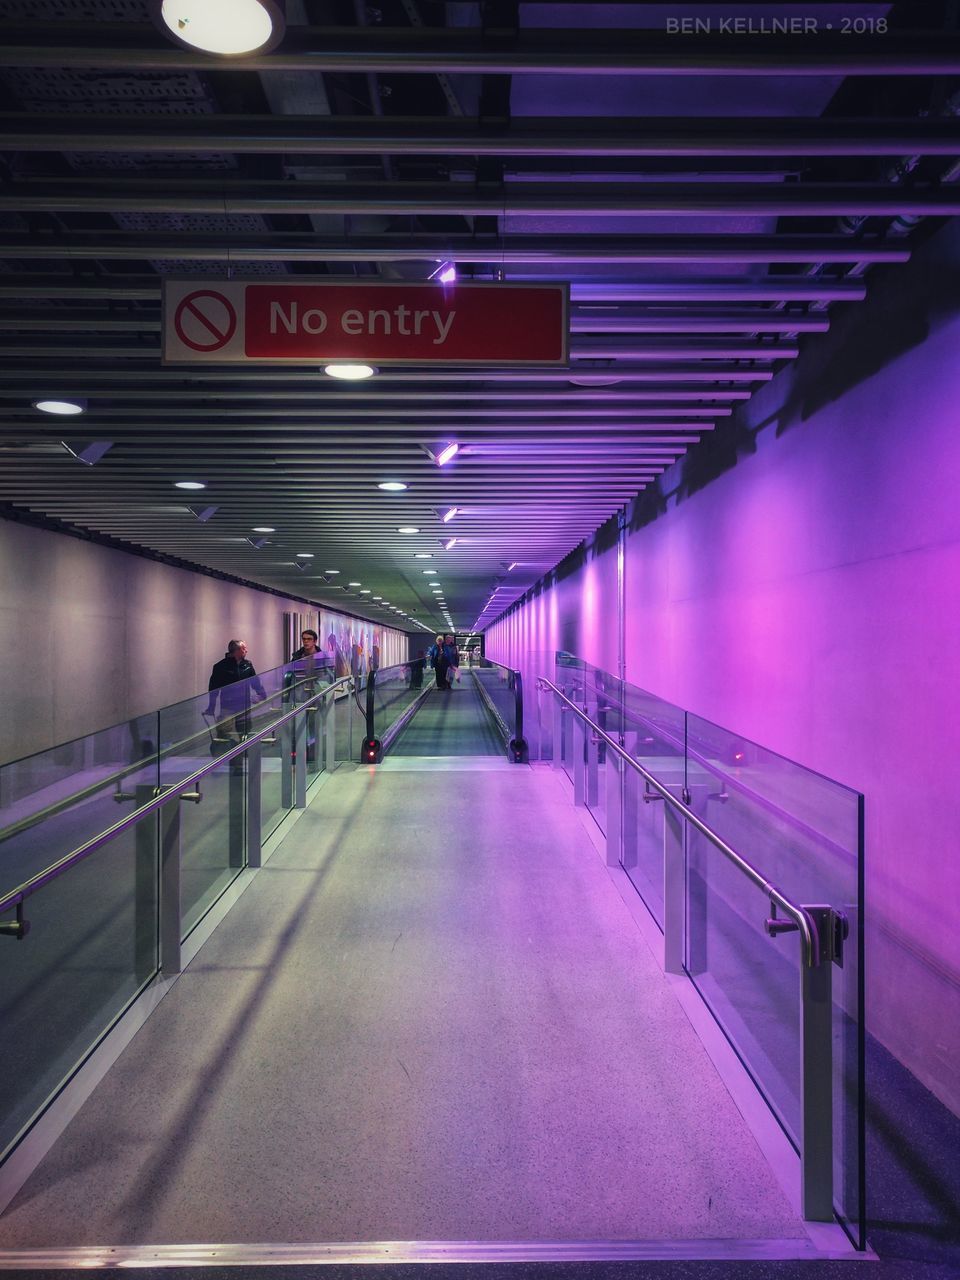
416 670
452 655
232 680
438 661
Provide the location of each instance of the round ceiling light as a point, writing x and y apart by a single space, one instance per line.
392 486
226 27
349 372
264 528
64 408
408 528
189 484
423 555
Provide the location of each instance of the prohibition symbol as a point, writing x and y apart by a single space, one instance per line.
205 320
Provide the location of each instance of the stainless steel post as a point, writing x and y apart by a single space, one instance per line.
300 760
674 890
816 1076
171 926
254 806
285 746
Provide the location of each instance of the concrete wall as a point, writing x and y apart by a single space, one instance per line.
808 598
91 636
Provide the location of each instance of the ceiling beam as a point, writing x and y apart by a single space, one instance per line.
819 288
424 136
180 195
131 47
568 250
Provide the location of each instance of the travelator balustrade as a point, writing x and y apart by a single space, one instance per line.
706 826
393 696
104 904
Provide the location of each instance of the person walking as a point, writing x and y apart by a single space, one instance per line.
438 662
231 681
452 655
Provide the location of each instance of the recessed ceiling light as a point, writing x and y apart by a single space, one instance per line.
408 528
431 573
227 27
377 597
365 591
65 408
332 573
392 486
353 584
304 555
189 484
349 372
423 555
264 528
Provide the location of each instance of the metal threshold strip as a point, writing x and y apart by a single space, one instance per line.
398 1252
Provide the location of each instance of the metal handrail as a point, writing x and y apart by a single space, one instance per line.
58 806
19 895
805 923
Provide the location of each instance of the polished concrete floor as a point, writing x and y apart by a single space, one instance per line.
430 1017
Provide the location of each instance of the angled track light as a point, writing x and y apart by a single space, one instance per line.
448 544
256 543
442 451
446 514
204 514
89 452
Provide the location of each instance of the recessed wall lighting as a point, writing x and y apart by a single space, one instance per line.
392 486
264 528
349 372
189 484
227 27
65 408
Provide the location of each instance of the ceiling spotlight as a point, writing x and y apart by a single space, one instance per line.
300 564
264 528
226 27
408 528
447 514
448 545
204 514
65 408
442 451
392 486
446 273
89 452
512 566
189 484
349 372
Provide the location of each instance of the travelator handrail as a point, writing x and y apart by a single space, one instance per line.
516 745
822 930
154 758
373 747
166 793
799 915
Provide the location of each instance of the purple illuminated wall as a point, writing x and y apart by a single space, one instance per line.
809 598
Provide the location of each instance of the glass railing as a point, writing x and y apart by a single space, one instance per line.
702 805
113 848
501 689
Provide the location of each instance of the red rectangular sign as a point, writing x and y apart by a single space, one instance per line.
417 324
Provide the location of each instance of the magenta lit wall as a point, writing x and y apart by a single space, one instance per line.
809 599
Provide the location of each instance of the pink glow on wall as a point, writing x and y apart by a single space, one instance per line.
810 600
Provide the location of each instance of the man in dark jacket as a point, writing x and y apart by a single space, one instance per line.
232 679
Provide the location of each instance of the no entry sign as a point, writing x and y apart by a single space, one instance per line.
235 321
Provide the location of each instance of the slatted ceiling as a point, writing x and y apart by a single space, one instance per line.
131 159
